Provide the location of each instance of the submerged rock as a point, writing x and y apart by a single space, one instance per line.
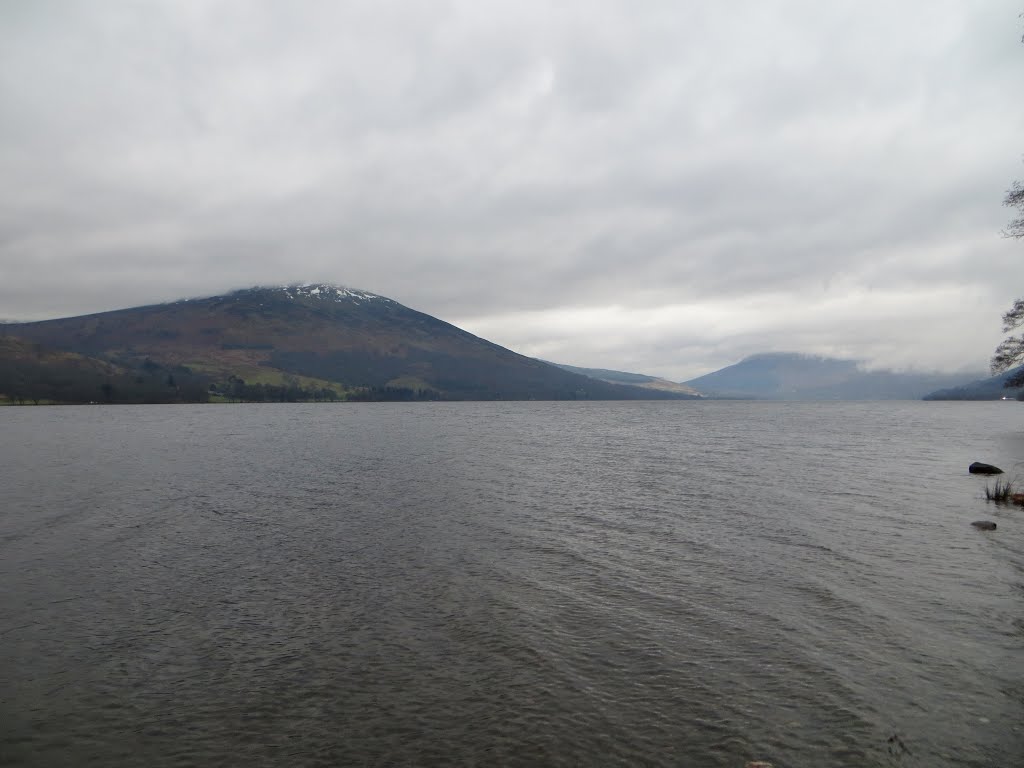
759 764
981 468
984 525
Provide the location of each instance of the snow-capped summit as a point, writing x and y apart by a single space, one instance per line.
331 292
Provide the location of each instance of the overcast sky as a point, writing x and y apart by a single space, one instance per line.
662 186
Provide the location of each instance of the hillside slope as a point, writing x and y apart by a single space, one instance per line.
368 346
634 379
990 388
30 372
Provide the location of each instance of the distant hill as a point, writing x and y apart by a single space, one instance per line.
792 376
635 379
990 388
309 342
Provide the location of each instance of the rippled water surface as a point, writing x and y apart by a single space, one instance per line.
677 584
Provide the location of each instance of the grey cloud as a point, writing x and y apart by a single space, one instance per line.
491 161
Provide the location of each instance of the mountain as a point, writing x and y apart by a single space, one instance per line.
791 376
991 388
635 379
310 342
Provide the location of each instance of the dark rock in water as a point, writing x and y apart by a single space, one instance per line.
896 746
984 525
980 468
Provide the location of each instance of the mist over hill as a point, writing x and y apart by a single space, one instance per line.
312 342
793 376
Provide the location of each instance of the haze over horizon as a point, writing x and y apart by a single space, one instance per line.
664 189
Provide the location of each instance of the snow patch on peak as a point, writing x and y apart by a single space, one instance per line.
330 292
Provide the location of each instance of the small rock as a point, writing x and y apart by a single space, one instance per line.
896 746
984 525
759 764
981 468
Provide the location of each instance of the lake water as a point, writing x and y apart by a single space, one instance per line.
658 584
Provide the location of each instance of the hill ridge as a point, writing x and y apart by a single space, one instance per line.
316 337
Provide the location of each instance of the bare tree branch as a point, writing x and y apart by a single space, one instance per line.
1014 317
1015 199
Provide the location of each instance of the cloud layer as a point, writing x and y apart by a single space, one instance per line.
662 187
